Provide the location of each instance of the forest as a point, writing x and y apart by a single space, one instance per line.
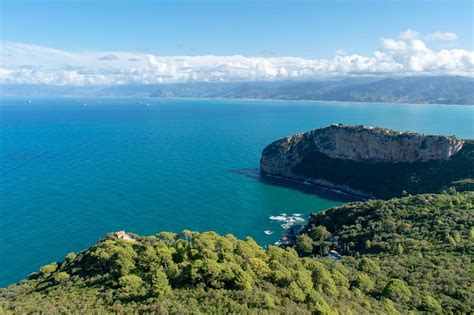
404 254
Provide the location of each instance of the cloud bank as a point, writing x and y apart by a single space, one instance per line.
406 55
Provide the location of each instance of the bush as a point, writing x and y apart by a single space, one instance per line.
397 291
304 244
61 277
364 283
47 270
131 286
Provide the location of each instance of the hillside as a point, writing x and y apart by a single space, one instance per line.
426 241
441 90
372 162
429 90
398 255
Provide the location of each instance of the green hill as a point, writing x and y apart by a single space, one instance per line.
413 253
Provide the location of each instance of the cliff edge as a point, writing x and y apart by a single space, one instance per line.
371 162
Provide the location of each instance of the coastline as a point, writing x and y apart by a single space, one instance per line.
224 99
340 189
305 101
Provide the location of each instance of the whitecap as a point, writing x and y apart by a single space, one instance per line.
286 226
278 218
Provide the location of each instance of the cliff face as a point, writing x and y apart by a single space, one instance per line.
336 156
382 145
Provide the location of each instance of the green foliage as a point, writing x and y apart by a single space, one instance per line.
431 305
47 270
159 282
304 244
424 240
61 277
195 272
388 180
364 282
397 291
295 293
319 233
131 286
70 257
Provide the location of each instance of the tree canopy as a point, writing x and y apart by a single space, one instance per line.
400 255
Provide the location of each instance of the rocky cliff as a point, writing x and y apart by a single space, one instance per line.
358 159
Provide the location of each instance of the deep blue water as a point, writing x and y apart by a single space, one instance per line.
70 174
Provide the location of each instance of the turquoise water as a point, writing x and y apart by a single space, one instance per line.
70 174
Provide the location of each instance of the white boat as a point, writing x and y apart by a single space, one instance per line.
268 232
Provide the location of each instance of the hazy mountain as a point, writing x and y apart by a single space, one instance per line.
443 89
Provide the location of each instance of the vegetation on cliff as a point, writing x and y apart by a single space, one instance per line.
412 253
301 158
387 180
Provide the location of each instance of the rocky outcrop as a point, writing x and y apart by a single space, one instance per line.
335 156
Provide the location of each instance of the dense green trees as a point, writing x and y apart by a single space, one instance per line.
414 249
399 255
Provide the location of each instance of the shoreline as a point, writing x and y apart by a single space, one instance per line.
339 189
26 97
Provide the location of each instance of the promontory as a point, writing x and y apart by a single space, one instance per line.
372 162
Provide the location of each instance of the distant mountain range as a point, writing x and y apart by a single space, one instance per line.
431 90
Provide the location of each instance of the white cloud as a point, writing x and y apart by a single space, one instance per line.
395 45
417 45
447 36
32 64
108 57
341 52
409 34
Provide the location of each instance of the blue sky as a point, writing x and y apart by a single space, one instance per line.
310 29
72 42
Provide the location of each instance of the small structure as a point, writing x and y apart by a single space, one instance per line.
124 236
335 255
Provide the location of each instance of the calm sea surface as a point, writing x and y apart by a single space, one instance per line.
70 174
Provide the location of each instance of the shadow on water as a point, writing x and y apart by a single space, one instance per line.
310 189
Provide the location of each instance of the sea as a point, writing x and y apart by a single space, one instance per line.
73 170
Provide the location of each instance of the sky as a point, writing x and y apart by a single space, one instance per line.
86 42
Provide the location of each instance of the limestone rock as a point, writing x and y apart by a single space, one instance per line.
310 156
